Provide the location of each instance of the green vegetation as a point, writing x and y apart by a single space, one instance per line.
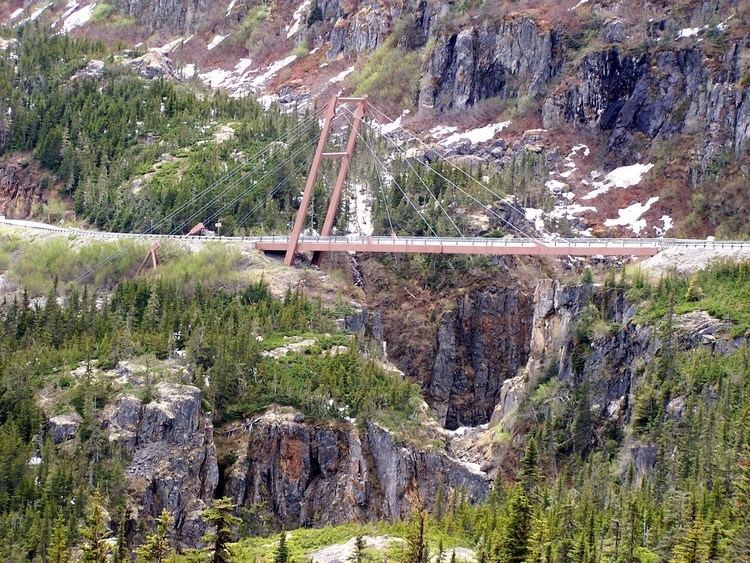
391 73
722 290
99 135
102 12
220 339
38 266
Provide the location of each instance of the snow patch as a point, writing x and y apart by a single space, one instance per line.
478 135
188 71
172 45
689 32
388 128
78 18
215 41
16 13
622 177
535 216
555 185
580 3
341 75
360 211
631 216
230 7
261 80
293 29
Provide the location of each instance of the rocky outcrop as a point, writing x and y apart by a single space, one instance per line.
175 15
63 427
172 456
354 29
659 94
328 473
152 65
509 58
22 187
480 344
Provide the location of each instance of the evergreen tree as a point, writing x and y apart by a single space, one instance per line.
513 545
740 539
220 516
96 532
59 551
416 540
692 547
358 556
528 471
282 550
157 546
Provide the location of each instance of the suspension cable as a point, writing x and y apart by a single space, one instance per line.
395 182
505 199
429 191
459 188
296 130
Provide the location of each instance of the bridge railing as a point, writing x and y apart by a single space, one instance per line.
556 242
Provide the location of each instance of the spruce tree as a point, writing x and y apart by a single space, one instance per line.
220 516
282 550
514 540
96 532
59 551
158 546
416 540
358 556
740 539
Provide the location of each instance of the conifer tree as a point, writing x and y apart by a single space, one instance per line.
158 546
96 532
220 516
692 547
358 556
416 540
514 540
59 551
282 550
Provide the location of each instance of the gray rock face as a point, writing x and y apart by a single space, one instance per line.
332 473
152 65
479 345
173 464
175 15
512 57
658 94
63 427
356 28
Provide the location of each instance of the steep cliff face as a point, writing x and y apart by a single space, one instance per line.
21 186
659 95
507 58
174 15
173 464
314 474
480 344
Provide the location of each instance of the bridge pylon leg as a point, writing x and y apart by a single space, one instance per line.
299 221
346 160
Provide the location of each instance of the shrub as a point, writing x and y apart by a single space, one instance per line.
391 74
102 12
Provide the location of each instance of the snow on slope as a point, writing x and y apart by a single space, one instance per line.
79 17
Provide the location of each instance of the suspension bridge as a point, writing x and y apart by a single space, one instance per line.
522 239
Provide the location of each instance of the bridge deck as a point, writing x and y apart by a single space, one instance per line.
427 245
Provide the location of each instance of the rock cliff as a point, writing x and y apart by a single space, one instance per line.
172 456
310 474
